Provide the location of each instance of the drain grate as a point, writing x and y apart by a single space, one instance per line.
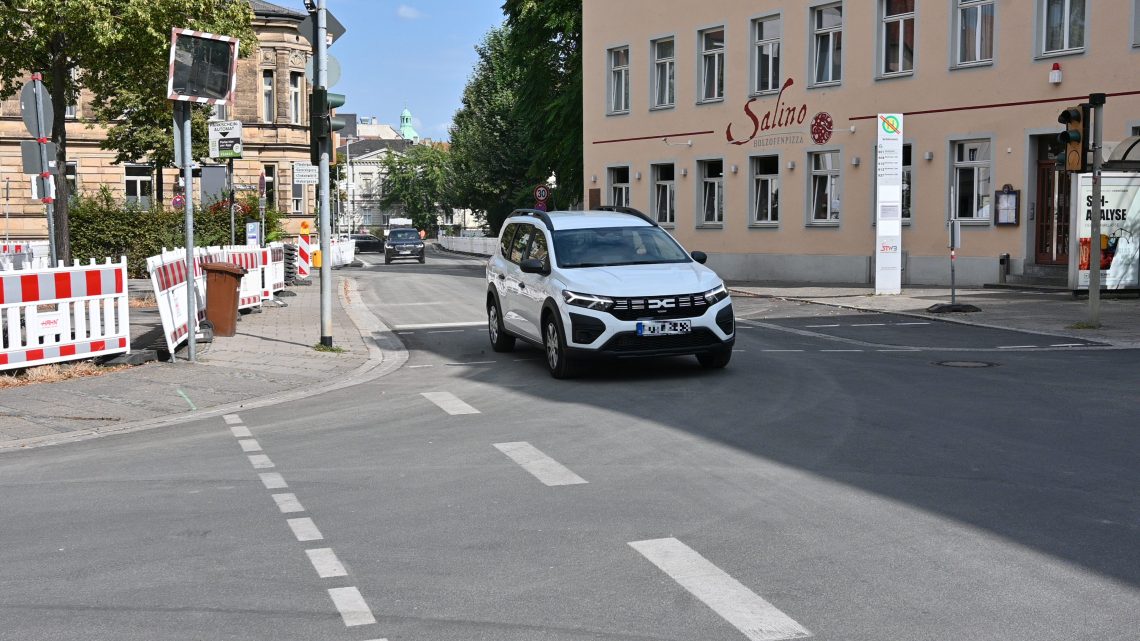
967 364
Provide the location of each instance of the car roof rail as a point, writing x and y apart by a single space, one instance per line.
631 211
534 213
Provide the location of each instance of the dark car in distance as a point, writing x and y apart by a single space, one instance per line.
404 243
368 243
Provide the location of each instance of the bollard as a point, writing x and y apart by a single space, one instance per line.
1003 268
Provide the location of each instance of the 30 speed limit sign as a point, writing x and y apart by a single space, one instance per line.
541 193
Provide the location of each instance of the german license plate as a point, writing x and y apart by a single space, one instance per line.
664 328
405 252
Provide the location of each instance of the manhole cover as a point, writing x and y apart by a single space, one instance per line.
965 364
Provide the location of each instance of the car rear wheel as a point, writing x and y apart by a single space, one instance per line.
715 360
555 345
500 340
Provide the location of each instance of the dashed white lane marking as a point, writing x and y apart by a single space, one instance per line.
1068 345
325 563
241 431
898 350
868 325
405 333
781 350
471 363
231 419
249 445
449 403
304 529
814 326
916 323
744 609
840 350
543 467
260 461
417 366
273 481
737 350
479 323
351 606
1015 346
288 503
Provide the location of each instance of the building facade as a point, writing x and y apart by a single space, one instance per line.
271 103
748 127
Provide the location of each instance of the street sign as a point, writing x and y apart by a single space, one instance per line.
253 234
43 188
203 67
540 205
333 72
308 27
305 174
178 202
541 193
225 139
31 159
39 125
261 185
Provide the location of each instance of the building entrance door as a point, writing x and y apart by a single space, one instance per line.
1053 189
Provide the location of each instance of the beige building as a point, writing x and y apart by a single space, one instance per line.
749 127
272 103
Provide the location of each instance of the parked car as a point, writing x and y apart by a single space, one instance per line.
404 243
368 243
604 284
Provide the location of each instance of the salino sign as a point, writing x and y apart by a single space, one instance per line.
774 127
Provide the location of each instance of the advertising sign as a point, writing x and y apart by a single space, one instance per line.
225 139
888 204
1119 230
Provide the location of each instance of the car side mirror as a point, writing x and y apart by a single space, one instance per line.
700 257
533 266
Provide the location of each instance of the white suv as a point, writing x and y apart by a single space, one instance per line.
607 283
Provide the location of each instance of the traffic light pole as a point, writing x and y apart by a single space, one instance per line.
325 229
1097 102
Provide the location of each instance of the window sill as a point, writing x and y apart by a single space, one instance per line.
825 85
667 225
617 113
972 65
823 223
970 222
710 225
663 107
896 75
762 94
710 101
764 225
1045 55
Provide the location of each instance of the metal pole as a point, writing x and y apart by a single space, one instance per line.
41 137
1097 102
7 197
325 230
261 211
188 194
232 203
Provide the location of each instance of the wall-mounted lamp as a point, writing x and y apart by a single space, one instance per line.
928 155
684 171
1055 74
733 169
855 161
791 164
637 175
593 179
687 143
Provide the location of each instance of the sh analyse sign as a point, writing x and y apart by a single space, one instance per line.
1119 230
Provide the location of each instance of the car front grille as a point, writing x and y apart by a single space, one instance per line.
631 342
659 307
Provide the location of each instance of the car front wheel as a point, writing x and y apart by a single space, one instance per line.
500 340
555 345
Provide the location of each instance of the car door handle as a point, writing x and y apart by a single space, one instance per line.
502 276
522 285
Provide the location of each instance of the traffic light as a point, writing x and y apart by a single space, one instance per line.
1074 141
321 121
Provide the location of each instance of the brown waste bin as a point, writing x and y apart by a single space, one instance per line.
223 282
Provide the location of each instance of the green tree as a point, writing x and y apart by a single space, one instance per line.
419 179
117 49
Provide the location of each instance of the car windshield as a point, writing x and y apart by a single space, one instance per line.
404 234
607 246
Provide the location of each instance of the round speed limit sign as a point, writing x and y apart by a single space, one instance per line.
541 193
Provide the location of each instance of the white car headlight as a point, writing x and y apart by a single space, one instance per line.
716 294
589 301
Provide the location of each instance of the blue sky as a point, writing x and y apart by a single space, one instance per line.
414 53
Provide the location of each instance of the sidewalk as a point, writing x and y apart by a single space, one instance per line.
270 360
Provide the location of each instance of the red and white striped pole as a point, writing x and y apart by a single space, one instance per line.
303 251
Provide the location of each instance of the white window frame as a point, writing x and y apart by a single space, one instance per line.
619 191
668 186
295 91
1066 45
767 184
711 192
71 175
715 57
899 21
268 96
139 182
298 198
664 66
619 80
981 180
963 6
832 177
770 46
270 184
219 112
834 46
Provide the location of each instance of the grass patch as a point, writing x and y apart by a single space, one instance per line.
1084 325
335 349
142 302
55 373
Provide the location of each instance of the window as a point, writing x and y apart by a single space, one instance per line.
906 171
898 36
268 101
138 185
828 25
975 31
619 80
712 64
71 111
270 184
972 188
298 198
712 191
825 187
520 241
219 112
664 57
505 240
72 175
619 186
295 98
1063 22
664 193
538 248
766 54
766 189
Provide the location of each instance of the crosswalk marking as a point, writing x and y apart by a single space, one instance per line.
449 403
543 467
351 606
325 563
752 615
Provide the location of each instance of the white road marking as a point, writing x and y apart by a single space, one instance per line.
249 445
836 325
405 333
351 606
417 366
743 608
231 419
840 350
868 324
241 431
781 350
260 461
325 563
521 360
1068 345
543 467
479 323
1015 346
738 350
273 480
921 323
304 529
446 331
449 403
471 363
288 503
898 350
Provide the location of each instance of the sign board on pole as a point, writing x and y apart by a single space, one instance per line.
888 204
1119 230
225 139
40 128
305 174
253 234
333 27
45 188
32 161
203 67
333 76
541 193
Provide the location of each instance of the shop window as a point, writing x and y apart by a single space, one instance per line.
973 187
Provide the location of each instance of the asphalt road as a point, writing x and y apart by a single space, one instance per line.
847 477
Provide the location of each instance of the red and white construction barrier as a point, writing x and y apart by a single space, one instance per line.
168 279
272 270
250 293
304 257
49 315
